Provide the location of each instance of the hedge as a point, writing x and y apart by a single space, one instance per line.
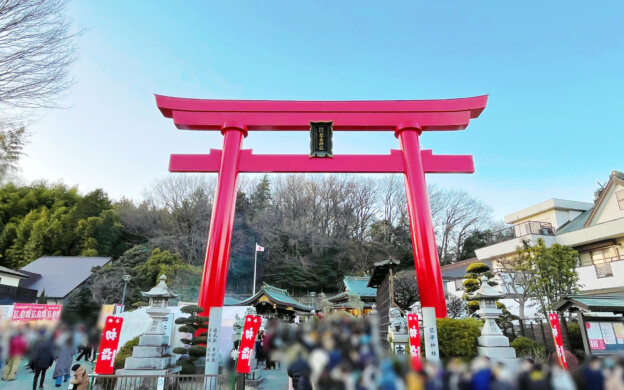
457 337
125 352
525 347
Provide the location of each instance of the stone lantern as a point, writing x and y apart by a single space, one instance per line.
492 342
159 297
153 354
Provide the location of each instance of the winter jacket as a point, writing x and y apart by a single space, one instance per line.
63 363
44 356
17 346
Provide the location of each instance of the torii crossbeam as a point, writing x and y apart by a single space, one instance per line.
406 118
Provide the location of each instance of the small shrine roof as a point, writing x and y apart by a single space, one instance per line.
597 303
359 286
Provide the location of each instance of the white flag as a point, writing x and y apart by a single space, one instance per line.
259 248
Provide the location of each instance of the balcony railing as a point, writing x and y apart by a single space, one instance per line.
17 294
521 230
603 269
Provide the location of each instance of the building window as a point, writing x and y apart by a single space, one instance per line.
602 258
620 198
604 255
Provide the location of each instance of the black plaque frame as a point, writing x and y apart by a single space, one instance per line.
321 142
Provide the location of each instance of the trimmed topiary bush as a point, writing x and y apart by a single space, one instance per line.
525 347
192 350
477 268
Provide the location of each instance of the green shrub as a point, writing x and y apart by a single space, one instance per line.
457 337
470 283
197 351
574 336
477 268
526 347
188 368
125 352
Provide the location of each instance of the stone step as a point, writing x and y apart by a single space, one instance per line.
493 341
135 363
151 352
497 352
153 340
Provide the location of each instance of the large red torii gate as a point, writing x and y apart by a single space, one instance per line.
406 118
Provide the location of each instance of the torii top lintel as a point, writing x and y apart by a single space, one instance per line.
379 115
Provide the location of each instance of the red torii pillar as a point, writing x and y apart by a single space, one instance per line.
408 119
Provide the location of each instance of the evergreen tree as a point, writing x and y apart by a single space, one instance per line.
192 350
42 297
261 197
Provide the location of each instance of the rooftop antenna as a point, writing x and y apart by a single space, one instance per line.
601 185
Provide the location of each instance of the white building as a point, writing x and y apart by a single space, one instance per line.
595 230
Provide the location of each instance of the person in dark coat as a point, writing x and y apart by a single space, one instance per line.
297 369
43 357
304 380
63 363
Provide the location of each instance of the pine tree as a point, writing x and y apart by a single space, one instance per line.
43 299
192 351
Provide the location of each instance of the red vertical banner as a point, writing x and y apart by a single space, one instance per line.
109 342
555 326
414 339
247 343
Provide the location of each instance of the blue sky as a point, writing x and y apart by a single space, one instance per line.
553 70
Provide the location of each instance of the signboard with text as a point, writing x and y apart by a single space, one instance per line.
555 326
109 342
35 312
414 338
247 342
432 350
604 335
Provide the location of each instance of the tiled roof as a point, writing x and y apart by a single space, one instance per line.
231 301
359 286
575 224
60 275
607 303
278 295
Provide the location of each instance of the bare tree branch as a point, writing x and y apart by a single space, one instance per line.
37 49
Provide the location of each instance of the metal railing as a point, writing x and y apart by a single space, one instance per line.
521 230
602 267
153 382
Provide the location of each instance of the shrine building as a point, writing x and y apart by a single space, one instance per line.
273 302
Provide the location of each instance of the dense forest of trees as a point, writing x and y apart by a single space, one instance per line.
315 229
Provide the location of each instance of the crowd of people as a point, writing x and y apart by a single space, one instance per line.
342 354
42 348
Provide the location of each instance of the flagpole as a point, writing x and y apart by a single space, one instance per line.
255 261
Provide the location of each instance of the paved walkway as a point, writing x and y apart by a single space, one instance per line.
24 378
274 379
